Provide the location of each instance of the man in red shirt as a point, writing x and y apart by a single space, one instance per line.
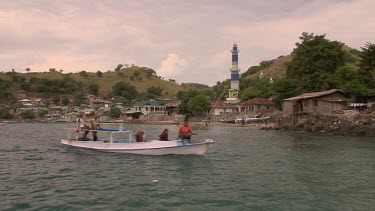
185 132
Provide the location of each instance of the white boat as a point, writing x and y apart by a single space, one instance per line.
247 119
128 145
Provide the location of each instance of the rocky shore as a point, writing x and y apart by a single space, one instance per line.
340 125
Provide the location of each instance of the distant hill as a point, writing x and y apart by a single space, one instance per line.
140 78
278 67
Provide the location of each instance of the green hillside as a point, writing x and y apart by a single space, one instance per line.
277 68
135 76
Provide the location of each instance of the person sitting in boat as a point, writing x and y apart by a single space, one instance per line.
185 132
94 125
164 135
139 136
82 132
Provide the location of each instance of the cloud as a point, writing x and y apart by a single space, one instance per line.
188 41
173 66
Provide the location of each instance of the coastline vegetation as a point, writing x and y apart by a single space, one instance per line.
316 64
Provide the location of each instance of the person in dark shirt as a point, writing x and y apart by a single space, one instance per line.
164 135
139 135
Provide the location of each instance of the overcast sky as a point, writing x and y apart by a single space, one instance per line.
189 41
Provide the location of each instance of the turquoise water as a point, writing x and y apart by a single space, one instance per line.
248 169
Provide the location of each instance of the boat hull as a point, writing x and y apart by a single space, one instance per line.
175 147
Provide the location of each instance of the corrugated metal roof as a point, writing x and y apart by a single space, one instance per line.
313 95
220 104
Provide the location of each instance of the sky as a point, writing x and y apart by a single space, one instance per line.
188 41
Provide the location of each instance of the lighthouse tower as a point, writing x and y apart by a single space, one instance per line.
234 77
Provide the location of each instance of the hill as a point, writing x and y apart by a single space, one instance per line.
278 67
140 78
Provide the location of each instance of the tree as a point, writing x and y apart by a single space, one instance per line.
4 84
118 68
184 97
4 113
315 59
56 100
154 91
367 63
94 89
249 93
124 90
99 73
255 69
26 86
199 105
115 112
285 88
150 72
65 101
27 114
28 70
354 83
221 89
79 99
257 87
83 73
43 112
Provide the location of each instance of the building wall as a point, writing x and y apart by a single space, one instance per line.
221 111
325 107
288 107
315 106
256 109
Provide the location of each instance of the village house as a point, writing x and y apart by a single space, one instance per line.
222 108
257 106
150 107
325 102
55 112
99 103
25 102
38 102
171 108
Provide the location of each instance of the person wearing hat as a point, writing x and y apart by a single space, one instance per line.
185 132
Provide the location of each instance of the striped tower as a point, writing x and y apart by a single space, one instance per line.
235 76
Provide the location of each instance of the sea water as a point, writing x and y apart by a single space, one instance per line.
247 169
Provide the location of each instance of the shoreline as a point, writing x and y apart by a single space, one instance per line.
363 125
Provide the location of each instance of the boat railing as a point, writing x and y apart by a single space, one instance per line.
110 131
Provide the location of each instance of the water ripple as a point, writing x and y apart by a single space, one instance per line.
248 169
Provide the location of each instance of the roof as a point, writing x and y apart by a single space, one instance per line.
220 104
149 103
258 101
101 101
313 95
